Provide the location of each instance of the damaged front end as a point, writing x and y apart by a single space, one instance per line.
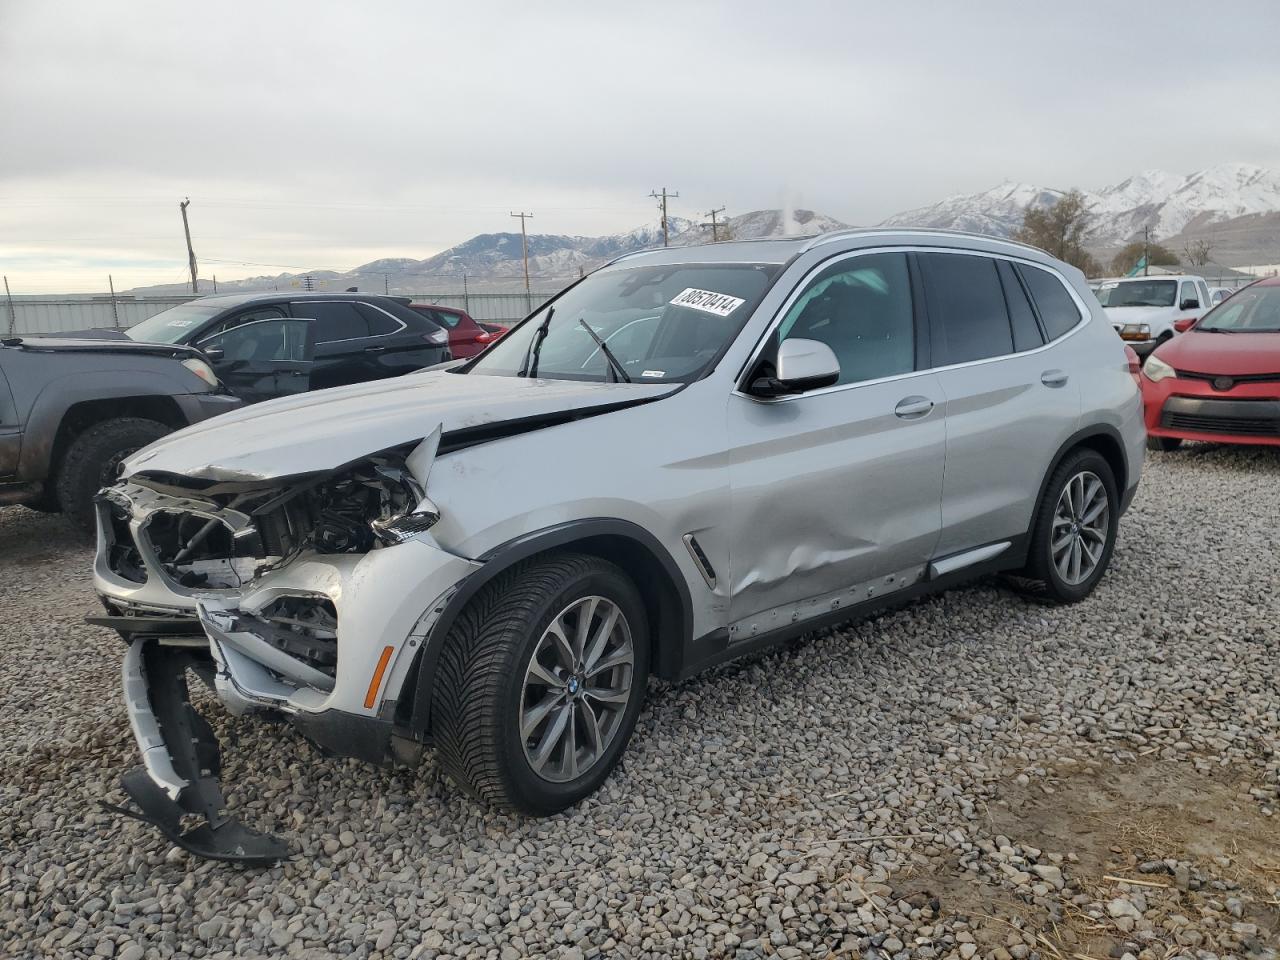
246 584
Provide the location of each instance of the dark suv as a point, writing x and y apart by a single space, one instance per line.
270 345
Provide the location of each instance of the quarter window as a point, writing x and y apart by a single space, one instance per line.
1026 332
381 323
333 320
1058 311
967 307
861 309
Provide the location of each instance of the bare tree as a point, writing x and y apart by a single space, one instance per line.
1197 252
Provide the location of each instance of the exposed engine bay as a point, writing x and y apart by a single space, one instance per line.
221 535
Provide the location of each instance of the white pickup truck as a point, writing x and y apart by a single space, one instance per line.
1147 311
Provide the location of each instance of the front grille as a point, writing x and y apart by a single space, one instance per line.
1234 378
1254 426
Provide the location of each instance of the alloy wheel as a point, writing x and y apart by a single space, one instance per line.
576 689
1081 522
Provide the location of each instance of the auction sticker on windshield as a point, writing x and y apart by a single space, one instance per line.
708 301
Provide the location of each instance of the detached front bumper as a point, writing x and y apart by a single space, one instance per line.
339 686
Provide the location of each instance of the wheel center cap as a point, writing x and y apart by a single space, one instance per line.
574 685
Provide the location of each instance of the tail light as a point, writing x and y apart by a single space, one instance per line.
1185 324
485 337
437 337
1135 362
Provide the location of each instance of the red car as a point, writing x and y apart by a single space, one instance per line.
1220 380
467 337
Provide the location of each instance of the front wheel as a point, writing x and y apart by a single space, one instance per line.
93 460
1075 527
540 682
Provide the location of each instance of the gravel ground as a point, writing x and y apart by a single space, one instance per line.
975 775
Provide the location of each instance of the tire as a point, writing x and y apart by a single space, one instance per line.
482 688
92 459
1167 444
1043 566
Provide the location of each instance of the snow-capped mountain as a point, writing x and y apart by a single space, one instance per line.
1167 203
996 212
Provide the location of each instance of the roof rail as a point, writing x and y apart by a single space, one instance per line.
920 231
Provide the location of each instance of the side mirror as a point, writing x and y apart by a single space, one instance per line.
1189 304
214 354
1185 324
801 365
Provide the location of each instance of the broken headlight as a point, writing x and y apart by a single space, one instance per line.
376 501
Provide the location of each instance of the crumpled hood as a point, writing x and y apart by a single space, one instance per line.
328 428
1235 354
1149 315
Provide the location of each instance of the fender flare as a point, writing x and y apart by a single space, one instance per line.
1080 437
56 397
670 644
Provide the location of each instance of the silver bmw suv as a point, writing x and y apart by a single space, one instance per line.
689 455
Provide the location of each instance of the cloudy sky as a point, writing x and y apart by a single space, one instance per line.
314 135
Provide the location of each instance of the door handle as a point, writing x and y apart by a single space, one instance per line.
913 408
374 349
1054 378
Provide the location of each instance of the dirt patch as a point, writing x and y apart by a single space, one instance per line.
1196 845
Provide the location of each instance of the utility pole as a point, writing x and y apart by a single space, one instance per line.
524 244
466 295
215 283
115 311
13 315
663 197
715 227
191 254
1146 249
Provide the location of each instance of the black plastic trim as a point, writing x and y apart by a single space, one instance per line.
714 648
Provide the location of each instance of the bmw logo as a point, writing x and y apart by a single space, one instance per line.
573 686
1223 383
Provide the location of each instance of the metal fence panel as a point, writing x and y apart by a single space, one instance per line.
35 315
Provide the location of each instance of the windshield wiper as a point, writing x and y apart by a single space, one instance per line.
608 354
530 366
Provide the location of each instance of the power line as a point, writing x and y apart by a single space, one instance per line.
663 197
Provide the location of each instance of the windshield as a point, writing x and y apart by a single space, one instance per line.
174 324
1138 293
1252 310
662 324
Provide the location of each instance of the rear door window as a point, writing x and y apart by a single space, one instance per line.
1205 299
966 307
1188 293
1058 310
333 320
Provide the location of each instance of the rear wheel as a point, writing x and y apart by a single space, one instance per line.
92 462
540 682
1166 444
1075 527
